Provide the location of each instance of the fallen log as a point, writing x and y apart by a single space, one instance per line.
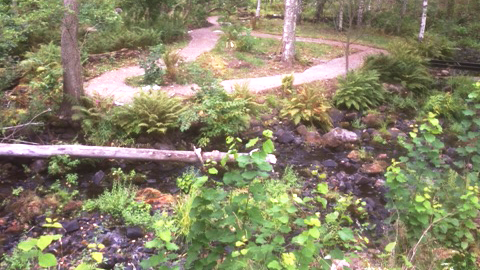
83 151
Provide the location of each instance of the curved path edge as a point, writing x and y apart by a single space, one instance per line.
112 83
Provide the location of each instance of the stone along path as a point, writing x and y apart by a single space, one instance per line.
112 83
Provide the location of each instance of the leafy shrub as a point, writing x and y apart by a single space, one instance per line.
241 91
287 84
360 90
444 104
96 115
120 201
171 59
153 72
239 37
309 105
219 113
435 46
434 201
9 73
403 66
150 112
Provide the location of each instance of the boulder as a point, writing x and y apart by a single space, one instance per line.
373 120
339 136
377 167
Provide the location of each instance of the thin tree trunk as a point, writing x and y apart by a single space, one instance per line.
288 38
423 23
72 68
340 18
361 7
450 9
319 10
83 151
257 12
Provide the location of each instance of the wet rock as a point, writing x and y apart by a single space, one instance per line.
395 133
255 123
302 130
377 167
14 228
350 116
336 116
313 138
71 226
395 88
297 141
3 221
155 198
284 136
338 136
382 156
255 131
373 120
345 125
98 177
329 163
380 183
354 155
72 206
39 166
134 232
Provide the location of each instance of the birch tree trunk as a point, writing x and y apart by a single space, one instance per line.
423 23
299 11
288 38
340 17
403 12
257 13
361 8
72 68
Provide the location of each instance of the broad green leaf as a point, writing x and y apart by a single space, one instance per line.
346 234
268 146
27 245
390 247
314 232
97 256
337 254
429 137
47 260
212 171
83 266
165 236
322 188
274 265
171 246
44 241
251 143
249 175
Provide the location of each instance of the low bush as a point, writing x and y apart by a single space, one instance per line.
435 46
154 74
239 38
120 201
218 113
444 104
359 90
403 66
96 115
308 105
149 112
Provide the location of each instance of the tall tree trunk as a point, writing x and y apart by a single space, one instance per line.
361 8
288 38
403 12
319 10
257 12
72 68
340 17
423 23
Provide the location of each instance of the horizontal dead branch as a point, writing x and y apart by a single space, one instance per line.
83 151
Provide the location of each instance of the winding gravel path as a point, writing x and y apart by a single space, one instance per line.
112 83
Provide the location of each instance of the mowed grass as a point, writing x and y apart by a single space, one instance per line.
227 63
325 31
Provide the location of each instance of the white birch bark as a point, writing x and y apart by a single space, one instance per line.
340 17
288 38
257 13
423 23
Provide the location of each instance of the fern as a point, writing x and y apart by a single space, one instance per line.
403 66
359 90
218 114
150 112
444 104
309 106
